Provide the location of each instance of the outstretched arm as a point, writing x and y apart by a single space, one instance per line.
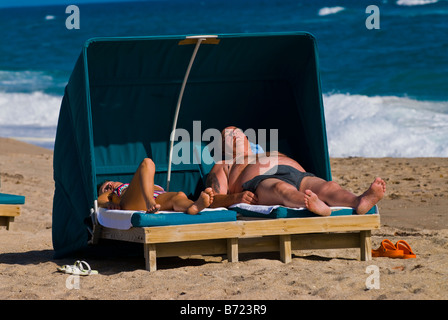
107 200
217 180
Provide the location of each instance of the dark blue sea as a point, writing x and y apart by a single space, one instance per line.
385 88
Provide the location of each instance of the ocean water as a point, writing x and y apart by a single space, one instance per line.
385 90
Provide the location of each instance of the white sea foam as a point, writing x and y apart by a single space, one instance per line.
329 10
385 126
415 2
25 109
29 117
357 125
25 81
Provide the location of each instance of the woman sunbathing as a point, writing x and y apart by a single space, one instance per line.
142 194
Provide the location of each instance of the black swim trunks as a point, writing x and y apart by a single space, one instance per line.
285 173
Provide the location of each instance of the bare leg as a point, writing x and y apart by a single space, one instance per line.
140 193
371 197
274 191
317 195
334 195
329 192
178 201
314 204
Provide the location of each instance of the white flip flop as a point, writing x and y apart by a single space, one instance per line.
81 268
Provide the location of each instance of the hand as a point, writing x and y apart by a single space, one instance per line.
113 206
246 197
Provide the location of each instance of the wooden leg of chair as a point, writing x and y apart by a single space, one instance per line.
7 214
6 222
285 248
232 249
10 223
150 257
365 245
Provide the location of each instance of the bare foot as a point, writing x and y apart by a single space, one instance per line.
314 204
204 201
153 207
371 197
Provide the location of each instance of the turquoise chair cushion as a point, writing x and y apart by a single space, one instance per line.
141 219
284 212
11 199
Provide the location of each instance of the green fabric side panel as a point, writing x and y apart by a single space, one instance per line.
70 202
78 121
306 87
6 198
140 219
69 231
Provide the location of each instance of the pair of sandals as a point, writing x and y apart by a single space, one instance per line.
401 250
80 268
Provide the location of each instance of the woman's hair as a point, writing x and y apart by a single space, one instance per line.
98 186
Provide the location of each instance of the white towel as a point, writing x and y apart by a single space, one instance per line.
263 209
121 219
116 219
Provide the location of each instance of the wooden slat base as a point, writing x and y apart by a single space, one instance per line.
232 238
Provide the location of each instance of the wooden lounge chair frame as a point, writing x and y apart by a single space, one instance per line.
250 235
7 214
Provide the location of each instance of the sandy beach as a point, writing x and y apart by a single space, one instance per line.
414 209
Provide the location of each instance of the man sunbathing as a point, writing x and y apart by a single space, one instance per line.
275 179
142 194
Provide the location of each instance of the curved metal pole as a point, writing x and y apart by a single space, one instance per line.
176 114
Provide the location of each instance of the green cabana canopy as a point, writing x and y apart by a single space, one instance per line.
126 95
